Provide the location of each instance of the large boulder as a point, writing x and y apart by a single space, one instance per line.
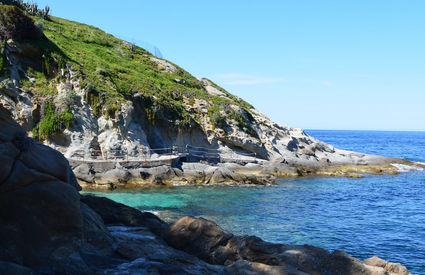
43 225
198 236
148 252
40 216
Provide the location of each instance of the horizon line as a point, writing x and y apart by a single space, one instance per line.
371 130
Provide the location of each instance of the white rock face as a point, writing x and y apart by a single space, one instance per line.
162 64
214 91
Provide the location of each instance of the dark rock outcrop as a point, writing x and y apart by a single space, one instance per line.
211 243
252 255
40 215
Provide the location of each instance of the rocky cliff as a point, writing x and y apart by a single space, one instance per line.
46 227
100 100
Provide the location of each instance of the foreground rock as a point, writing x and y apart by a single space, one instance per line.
46 227
251 255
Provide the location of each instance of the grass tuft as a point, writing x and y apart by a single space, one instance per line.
52 122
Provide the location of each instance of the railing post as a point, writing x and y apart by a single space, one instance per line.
105 166
144 156
171 161
102 153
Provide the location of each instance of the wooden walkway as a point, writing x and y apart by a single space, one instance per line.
147 157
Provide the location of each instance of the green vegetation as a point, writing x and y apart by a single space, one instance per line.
216 118
31 8
236 99
101 103
2 58
242 123
52 122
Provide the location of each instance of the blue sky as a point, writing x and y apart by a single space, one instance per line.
309 64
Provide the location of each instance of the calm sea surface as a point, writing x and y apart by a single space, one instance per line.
375 215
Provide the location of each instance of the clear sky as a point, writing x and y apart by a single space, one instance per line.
310 64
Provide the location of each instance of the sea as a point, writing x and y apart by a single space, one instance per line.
380 216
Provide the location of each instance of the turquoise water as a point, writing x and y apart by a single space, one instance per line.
375 215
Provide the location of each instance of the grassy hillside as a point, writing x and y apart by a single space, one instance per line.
116 69
113 71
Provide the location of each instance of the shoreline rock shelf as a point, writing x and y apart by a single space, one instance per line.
103 175
46 227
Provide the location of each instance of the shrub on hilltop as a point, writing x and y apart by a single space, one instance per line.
15 24
30 8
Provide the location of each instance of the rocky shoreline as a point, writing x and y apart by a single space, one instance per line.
132 175
46 227
227 141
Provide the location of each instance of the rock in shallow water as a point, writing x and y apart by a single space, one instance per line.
340 262
375 261
114 213
396 268
208 241
251 255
